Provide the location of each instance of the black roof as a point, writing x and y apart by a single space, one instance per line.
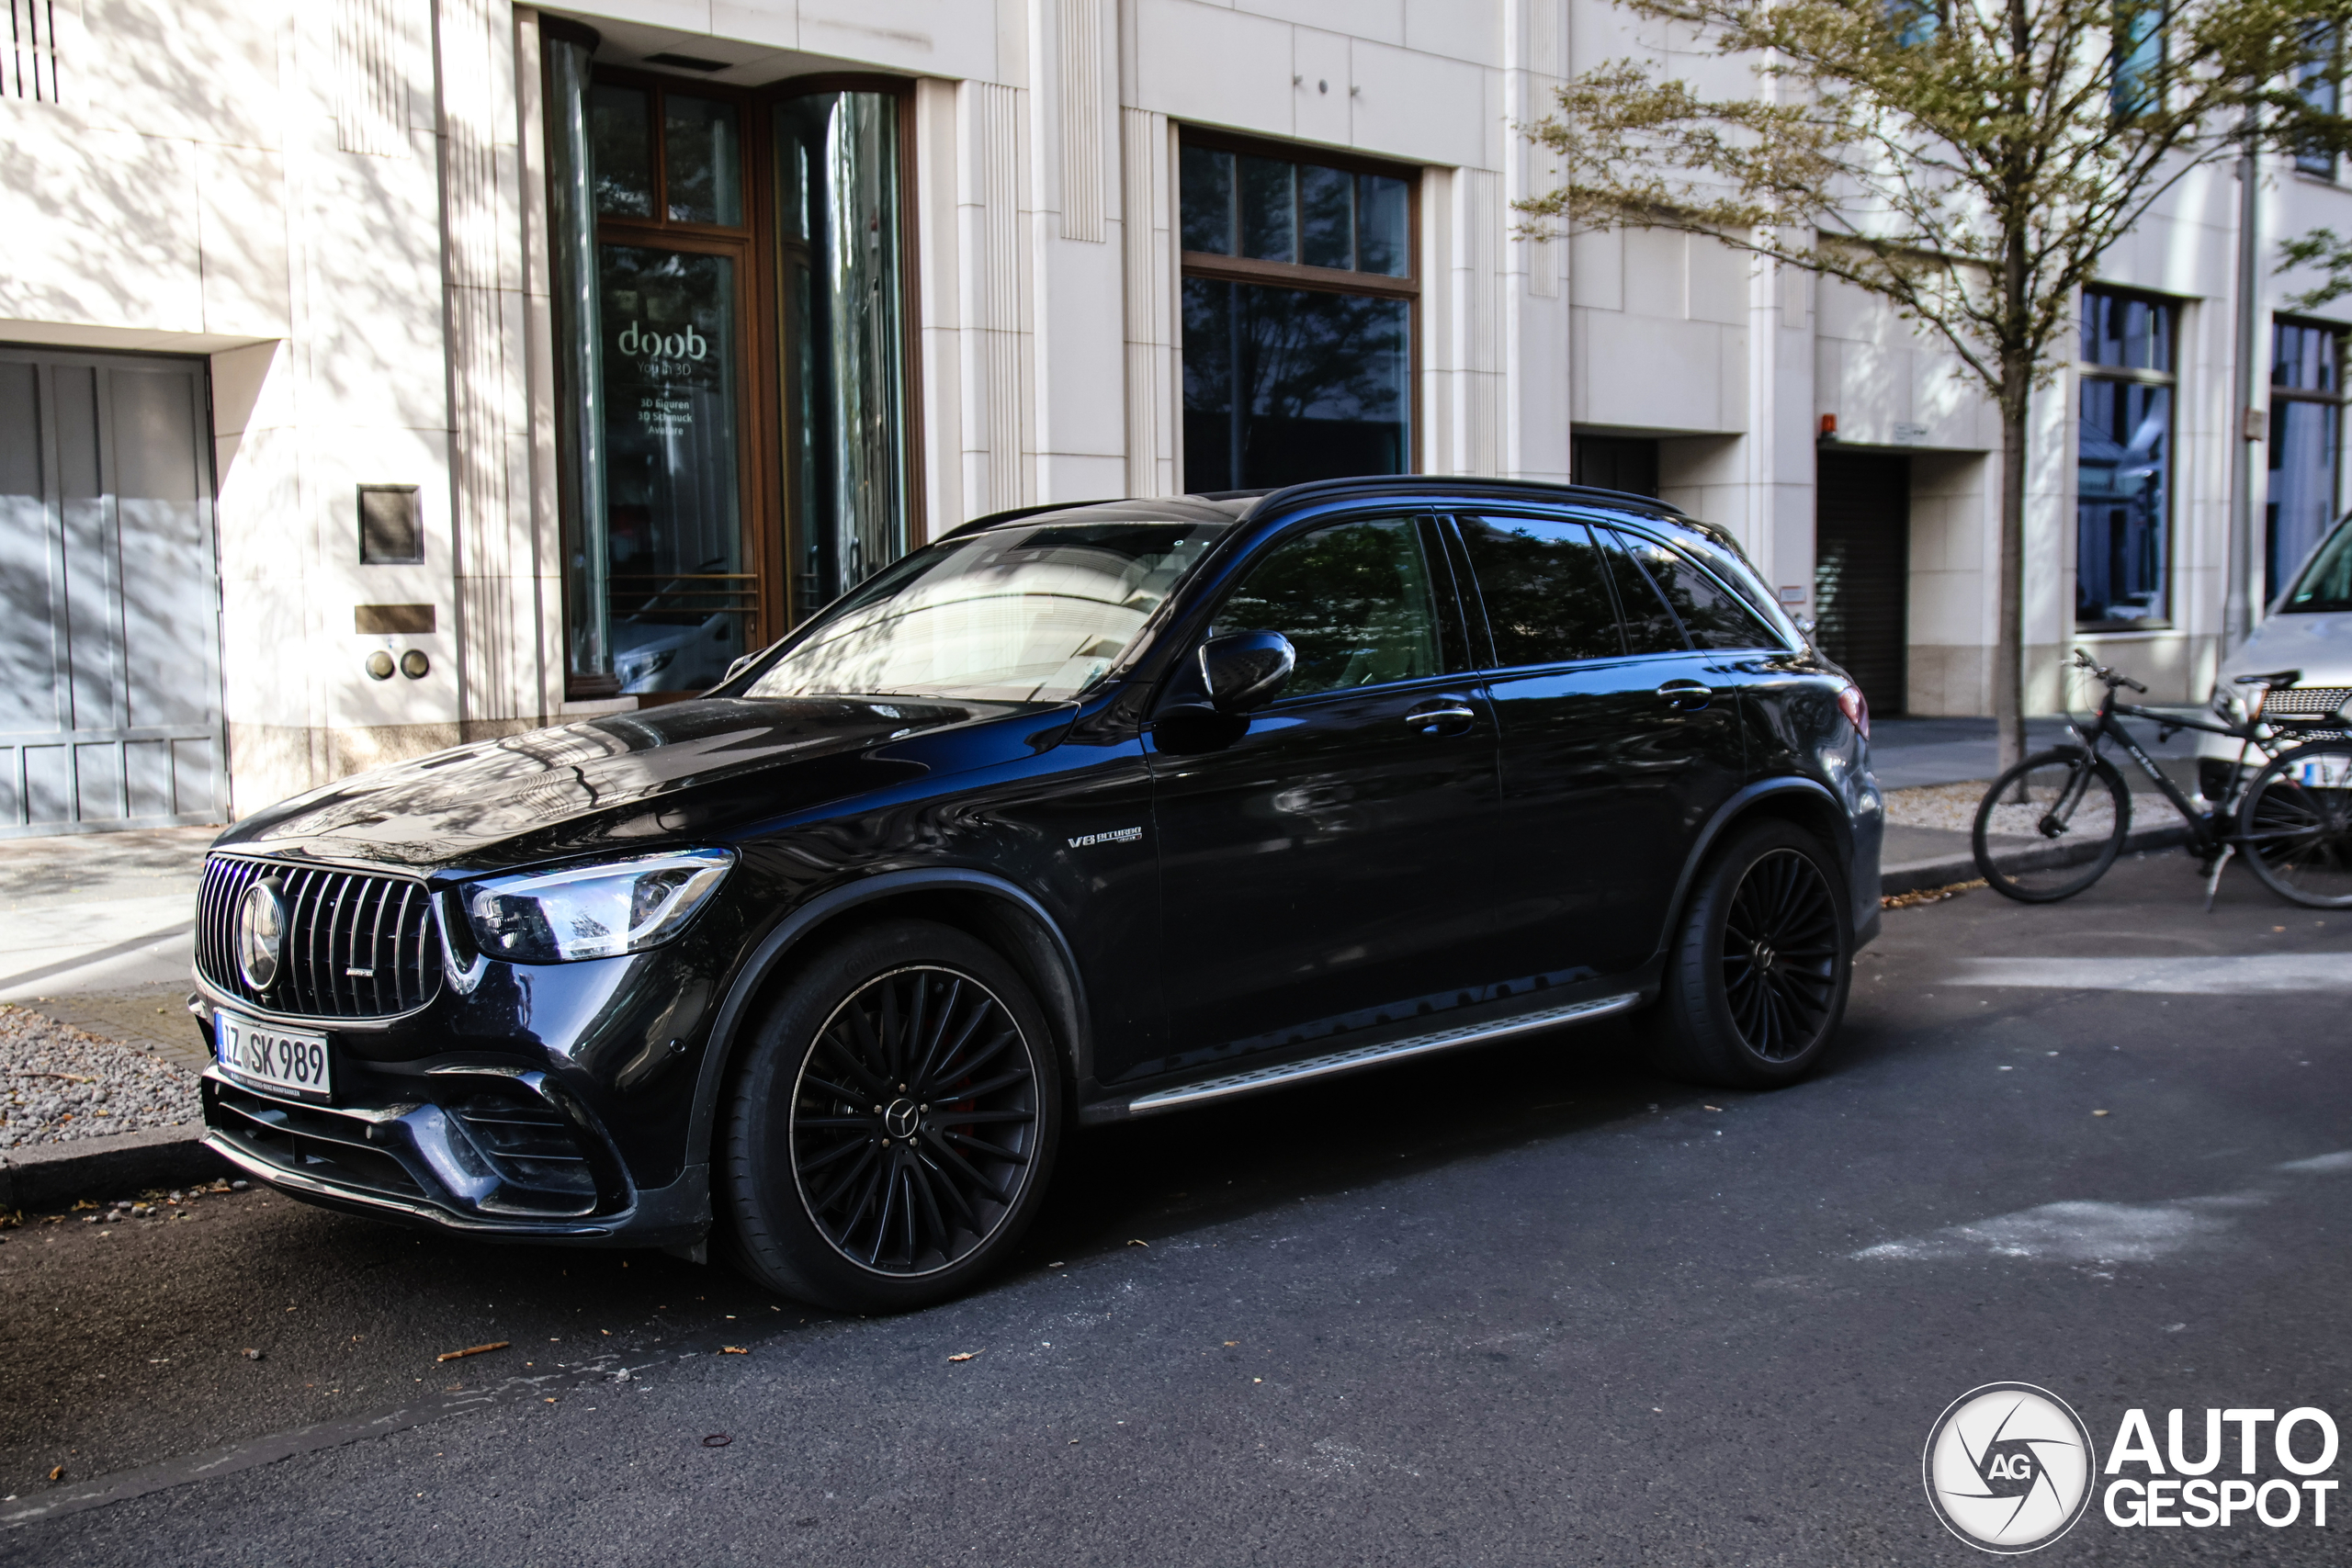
1236 505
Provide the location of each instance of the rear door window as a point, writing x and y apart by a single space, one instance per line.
1713 616
1650 627
1547 601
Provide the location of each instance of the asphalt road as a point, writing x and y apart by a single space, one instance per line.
1521 1306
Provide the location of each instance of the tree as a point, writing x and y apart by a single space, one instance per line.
1968 161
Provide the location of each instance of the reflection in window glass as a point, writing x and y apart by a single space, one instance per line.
2318 81
1327 215
2326 586
2306 416
1650 627
672 529
1354 600
1268 209
701 160
2122 470
1712 615
1282 385
620 130
1013 615
1546 602
2125 332
2139 56
1382 207
1207 200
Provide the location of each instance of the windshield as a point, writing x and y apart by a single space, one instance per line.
2326 586
1015 614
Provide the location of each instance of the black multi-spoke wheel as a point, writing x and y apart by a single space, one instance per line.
2295 825
893 1123
1756 981
1780 948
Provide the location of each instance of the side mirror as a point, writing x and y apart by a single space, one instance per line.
1246 670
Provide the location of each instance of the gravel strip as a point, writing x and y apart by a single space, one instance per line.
61 1083
1951 807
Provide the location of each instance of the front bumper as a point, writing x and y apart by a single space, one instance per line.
480 1152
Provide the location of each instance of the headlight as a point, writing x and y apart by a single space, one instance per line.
593 911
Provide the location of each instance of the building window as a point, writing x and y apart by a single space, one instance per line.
2306 439
2320 80
730 311
2123 461
2136 58
1298 293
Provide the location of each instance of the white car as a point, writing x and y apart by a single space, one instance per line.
2310 629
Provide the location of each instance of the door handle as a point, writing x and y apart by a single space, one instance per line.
1446 711
1686 696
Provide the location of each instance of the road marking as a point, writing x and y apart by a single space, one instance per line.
2246 974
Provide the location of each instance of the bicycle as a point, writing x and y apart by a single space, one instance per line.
2291 814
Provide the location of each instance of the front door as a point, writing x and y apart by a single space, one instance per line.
110 694
1324 873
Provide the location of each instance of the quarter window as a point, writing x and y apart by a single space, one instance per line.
1711 615
1355 601
1546 600
2123 461
1299 319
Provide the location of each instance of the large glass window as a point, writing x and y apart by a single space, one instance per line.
1297 302
2320 80
2123 461
2306 425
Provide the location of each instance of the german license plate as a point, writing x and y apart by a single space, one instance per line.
263 1054
2331 772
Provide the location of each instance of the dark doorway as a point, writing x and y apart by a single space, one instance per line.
1862 568
1628 463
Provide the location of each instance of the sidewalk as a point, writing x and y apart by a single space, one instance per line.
1935 769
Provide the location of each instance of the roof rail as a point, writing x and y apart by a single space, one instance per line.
1317 489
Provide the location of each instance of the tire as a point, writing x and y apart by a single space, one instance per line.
893 1123
2295 831
1756 981
2076 803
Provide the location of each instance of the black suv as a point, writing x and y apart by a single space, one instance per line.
1077 815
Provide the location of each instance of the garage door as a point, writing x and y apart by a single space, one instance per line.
110 651
1862 575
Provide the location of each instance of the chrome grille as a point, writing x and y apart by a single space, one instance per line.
357 945
2303 702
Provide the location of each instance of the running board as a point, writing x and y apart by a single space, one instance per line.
1378 1056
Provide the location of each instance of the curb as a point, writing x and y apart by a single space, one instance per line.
1921 876
50 1175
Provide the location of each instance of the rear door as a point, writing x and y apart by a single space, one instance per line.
1326 871
1619 739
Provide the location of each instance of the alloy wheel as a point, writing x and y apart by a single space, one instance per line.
1780 954
914 1122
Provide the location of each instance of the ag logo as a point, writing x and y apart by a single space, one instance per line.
2008 1467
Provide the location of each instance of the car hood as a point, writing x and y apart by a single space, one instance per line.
623 779
2320 646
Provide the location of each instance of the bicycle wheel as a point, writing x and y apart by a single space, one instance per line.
2295 825
2050 826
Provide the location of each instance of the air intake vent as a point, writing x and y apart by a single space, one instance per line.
357 945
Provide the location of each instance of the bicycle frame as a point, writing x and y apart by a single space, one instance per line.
2206 827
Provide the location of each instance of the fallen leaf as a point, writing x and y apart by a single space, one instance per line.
473 1350
1144 1244
2099 1112
1711 1108
963 1355
734 1350
57 1472
1231 1343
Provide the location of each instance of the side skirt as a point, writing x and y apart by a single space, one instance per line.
1378 1056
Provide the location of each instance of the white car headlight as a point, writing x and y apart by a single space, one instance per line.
593 911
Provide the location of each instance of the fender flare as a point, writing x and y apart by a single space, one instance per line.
1068 1009
1731 811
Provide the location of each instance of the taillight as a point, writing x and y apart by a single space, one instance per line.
1857 711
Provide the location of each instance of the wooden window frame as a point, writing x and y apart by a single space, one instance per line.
1295 274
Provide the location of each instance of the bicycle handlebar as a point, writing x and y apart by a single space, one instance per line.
2112 677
